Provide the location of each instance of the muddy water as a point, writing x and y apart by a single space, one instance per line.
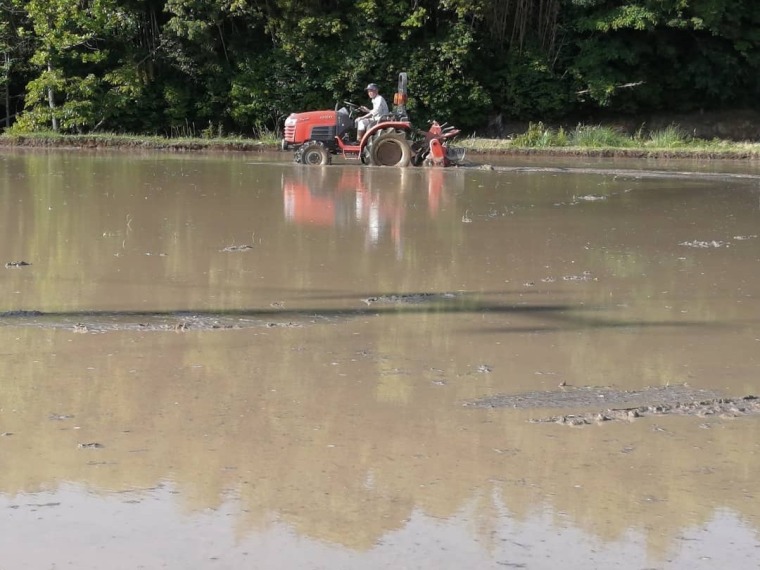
236 362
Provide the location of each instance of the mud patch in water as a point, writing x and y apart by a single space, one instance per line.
410 298
592 396
714 407
126 321
624 405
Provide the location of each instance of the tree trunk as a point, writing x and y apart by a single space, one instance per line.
51 102
7 90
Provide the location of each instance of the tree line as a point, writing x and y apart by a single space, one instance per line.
191 67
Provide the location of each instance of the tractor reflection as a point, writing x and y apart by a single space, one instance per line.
372 199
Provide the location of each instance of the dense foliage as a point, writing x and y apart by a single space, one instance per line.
194 67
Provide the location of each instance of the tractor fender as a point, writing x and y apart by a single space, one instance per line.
402 126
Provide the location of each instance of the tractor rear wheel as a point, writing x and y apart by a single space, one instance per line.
313 154
389 148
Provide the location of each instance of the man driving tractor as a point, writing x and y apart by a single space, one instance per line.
379 109
384 138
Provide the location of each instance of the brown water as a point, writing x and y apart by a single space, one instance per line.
273 359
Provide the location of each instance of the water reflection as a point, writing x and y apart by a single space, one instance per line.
344 439
374 199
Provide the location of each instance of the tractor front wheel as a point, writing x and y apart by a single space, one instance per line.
313 154
389 148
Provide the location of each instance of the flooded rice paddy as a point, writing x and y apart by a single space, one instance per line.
223 362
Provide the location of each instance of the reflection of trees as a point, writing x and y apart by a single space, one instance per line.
268 416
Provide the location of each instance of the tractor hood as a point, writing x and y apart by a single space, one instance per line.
316 125
317 117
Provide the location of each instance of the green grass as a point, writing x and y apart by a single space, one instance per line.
670 137
586 136
539 136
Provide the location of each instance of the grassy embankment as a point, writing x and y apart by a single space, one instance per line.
598 140
584 140
49 139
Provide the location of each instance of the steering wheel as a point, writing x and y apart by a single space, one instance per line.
353 108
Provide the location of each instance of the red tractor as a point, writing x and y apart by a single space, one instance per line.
318 135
